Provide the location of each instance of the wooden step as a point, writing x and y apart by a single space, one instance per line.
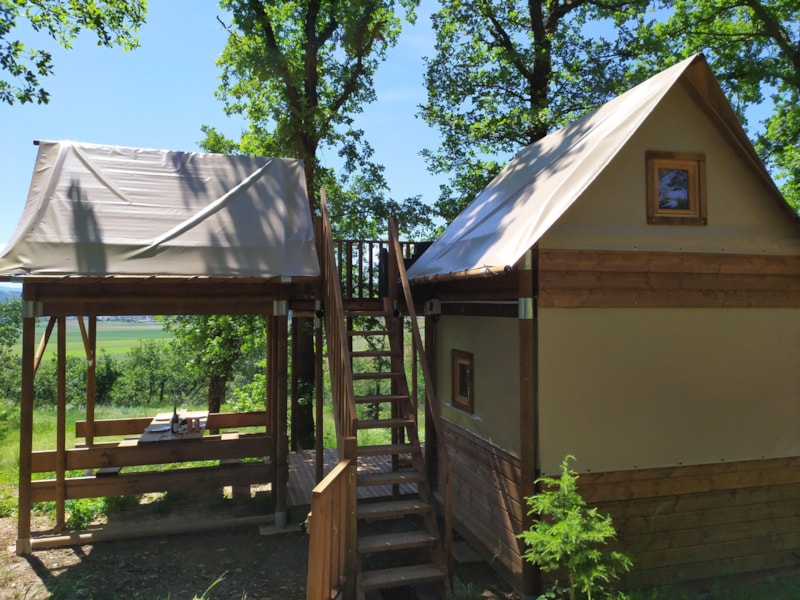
384 423
388 449
379 375
368 332
387 542
393 508
414 574
364 312
379 398
374 353
388 478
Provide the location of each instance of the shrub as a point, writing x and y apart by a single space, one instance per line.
567 536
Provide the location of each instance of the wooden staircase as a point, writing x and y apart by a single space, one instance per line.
398 541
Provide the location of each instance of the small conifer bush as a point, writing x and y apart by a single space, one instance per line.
567 537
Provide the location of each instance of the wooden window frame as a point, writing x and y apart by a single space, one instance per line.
460 400
694 164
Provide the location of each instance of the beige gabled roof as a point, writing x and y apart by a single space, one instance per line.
111 210
544 179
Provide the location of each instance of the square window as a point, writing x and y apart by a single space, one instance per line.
676 188
463 381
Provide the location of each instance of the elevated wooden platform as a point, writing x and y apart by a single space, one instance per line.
302 480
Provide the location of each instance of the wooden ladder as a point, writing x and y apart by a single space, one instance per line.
398 536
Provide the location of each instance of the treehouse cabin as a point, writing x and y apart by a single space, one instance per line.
627 291
108 231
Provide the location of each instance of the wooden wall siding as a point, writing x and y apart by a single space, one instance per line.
487 505
585 278
702 522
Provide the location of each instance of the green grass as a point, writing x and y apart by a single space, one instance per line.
115 338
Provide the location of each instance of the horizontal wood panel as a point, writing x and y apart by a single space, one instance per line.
581 278
728 517
177 480
109 427
151 453
486 500
649 483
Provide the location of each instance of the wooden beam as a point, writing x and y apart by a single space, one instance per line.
91 376
175 480
61 424
117 454
136 425
528 391
23 545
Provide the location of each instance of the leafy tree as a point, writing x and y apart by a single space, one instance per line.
115 23
754 48
154 372
214 344
10 322
506 72
568 537
298 72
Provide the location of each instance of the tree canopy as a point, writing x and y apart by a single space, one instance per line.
505 73
299 72
115 22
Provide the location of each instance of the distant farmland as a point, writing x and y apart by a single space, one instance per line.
116 338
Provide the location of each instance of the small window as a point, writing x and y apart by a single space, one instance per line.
463 381
676 188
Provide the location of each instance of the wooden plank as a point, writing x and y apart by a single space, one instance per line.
643 279
136 425
183 480
208 448
667 262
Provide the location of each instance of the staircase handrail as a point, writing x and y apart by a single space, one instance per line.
344 406
433 406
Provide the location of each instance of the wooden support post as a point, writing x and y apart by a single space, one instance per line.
61 424
26 428
351 530
90 346
280 491
528 387
318 396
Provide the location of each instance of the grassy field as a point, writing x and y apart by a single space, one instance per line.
116 338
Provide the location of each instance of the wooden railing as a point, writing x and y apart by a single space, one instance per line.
227 448
331 525
341 371
398 273
359 266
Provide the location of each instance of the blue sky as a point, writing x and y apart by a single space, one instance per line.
159 95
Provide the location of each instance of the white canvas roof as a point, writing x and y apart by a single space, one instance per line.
111 210
544 179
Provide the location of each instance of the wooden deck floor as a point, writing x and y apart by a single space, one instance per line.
302 479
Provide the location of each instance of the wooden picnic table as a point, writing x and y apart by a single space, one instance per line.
159 429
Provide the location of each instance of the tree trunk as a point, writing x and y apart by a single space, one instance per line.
303 372
217 385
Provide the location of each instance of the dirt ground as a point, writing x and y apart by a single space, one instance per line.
253 563
178 567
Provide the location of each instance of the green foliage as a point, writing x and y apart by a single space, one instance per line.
567 536
155 373
298 72
507 72
214 344
10 322
114 22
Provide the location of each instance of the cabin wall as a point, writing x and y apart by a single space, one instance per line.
743 214
623 388
493 342
484 447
